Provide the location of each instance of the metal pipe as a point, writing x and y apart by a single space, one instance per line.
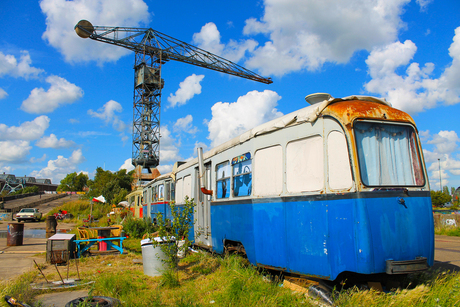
41 271
202 172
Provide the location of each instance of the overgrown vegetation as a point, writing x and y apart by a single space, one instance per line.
80 209
137 228
177 231
229 281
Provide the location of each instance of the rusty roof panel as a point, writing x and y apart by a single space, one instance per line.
349 110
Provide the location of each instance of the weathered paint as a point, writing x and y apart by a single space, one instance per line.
326 232
348 111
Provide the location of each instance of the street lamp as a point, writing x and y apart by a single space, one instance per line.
440 180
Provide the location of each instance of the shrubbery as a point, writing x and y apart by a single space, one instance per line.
136 228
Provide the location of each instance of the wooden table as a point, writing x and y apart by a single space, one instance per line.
102 233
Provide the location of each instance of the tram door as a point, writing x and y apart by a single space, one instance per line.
203 209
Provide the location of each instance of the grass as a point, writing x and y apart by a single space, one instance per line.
204 280
448 231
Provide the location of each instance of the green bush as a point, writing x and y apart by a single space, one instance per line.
136 228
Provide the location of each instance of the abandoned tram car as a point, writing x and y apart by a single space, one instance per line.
339 186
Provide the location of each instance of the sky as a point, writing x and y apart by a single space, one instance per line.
67 102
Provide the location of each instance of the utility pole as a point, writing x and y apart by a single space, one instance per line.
440 180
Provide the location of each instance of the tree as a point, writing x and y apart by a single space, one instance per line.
73 182
439 198
113 186
445 190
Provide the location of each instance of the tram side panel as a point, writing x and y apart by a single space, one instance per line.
319 232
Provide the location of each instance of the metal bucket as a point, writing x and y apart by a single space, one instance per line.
51 225
15 234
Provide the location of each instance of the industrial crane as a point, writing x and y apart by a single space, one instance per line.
153 49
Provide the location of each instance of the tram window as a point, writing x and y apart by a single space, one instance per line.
167 191
242 176
268 171
179 185
388 155
155 193
338 161
223 180
305 165
161 192
151 193
173 191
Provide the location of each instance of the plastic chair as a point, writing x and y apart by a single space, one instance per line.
116 232
83 234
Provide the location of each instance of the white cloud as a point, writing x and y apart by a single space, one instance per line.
185 124
127 165
3 93
9 65
187 89
53 142
197 145
26 131
107 114
169 150
62 16
57 169
307 34
61 92
6 169
415 90
232 119
445 144
423 4
14 151
165 168
38 160
209 39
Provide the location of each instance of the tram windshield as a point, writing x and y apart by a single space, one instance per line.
388 155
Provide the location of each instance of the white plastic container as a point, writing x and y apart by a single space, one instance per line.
153 258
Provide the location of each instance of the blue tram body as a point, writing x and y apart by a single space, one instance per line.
326 237
339 186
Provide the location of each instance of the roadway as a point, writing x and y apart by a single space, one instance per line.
447 253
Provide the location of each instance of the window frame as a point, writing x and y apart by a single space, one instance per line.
415 146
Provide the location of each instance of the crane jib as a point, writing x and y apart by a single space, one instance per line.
152 49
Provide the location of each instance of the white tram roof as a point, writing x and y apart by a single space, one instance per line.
307 114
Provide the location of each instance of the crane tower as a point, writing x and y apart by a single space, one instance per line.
152 49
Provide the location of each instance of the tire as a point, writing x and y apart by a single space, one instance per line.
102 300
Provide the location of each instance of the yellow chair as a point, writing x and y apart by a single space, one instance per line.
92 233
83 234
116 232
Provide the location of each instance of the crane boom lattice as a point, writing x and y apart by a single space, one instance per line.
152 49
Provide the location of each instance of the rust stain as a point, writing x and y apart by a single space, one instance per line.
348 111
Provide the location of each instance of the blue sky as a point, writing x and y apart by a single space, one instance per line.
67 102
